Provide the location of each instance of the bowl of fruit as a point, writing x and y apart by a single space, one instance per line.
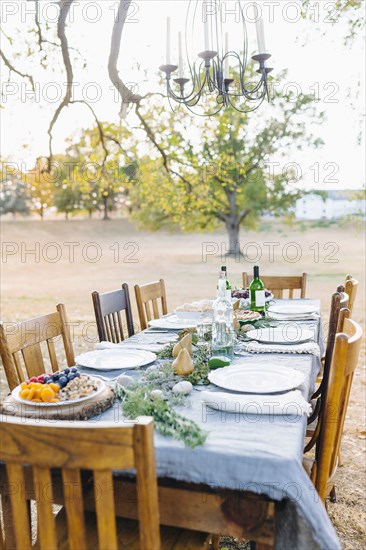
63 387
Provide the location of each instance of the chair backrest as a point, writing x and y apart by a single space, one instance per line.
25 338
344 362
73 448
344 296
277 284
351 286
149 295
107 308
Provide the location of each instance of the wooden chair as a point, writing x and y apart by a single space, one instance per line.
107 308
350 286
148 294
277 284
318 398
25 337
48 448
344 362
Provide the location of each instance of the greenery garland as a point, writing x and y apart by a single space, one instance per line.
138 401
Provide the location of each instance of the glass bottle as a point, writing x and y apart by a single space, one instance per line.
228 284
257 294
222 326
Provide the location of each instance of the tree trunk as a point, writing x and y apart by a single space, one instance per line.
233 232
105 208
90 213
66 215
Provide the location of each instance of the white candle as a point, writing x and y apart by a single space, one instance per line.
259 27
180 55
205 23
226 67
168 40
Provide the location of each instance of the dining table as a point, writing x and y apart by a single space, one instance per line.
247 480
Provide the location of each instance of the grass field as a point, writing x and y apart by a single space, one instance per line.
44 263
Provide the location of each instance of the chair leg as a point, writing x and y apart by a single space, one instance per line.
333 495
215 542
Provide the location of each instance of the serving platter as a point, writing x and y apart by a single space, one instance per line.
101 387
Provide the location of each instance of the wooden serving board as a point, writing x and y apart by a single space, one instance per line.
75 411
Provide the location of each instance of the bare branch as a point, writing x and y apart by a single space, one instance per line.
12 69
126 95
64 10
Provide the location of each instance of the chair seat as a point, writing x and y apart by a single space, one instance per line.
172 538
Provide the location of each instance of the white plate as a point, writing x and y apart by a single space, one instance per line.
286 334
269 378
115 359
292 309
194 316
101 384
173 322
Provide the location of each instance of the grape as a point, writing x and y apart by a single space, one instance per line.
55 376
62 381
74 369
47 379
67 370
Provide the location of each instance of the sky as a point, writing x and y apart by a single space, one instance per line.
313 52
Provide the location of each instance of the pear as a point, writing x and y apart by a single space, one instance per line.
184 343
183 365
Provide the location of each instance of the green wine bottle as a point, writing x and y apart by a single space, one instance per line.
257 294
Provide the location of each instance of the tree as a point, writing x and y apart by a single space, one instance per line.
40 185
219 171
98 180
13 194
352 11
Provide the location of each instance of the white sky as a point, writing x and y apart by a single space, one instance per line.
314 61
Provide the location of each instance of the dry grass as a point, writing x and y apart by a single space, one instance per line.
32 286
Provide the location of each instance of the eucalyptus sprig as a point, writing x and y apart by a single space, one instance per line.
138 401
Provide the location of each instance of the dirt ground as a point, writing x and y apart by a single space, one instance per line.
45 263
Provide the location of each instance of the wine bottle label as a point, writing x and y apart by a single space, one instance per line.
260 298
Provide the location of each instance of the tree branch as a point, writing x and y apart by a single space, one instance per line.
64 10
150 134
12 69
126 95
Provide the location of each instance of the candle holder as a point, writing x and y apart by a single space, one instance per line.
207 72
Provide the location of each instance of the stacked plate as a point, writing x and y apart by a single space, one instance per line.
173 322
286 334
292 311
115 359
257 379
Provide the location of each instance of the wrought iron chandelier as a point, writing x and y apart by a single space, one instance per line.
217 72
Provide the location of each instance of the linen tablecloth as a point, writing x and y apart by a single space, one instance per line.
252 452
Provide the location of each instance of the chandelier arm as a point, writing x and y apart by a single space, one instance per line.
207 72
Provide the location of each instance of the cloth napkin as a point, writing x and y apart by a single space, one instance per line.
288 404
130 345
256 347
